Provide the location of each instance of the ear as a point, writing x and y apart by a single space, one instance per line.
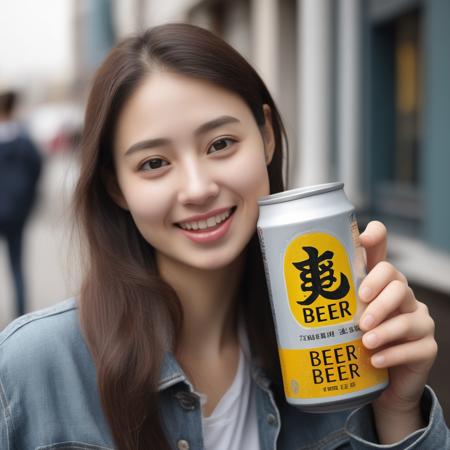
268 134
112 187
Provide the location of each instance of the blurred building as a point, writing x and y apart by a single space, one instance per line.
363 89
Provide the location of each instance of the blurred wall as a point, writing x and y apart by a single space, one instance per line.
363 88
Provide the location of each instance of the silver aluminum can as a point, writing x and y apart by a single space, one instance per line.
314 264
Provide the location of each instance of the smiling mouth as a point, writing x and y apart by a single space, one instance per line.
212 223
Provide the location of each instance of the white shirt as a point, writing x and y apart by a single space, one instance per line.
233 425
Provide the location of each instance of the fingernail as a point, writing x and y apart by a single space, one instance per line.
368 321
370 339
365 293
378 360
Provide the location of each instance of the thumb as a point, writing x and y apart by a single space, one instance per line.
374 240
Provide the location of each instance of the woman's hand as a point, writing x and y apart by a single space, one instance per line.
400 332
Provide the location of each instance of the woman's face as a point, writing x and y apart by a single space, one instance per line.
191 164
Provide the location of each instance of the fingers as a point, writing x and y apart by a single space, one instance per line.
378 278
385 297
421 351
407 327
397 326
374 240
414 335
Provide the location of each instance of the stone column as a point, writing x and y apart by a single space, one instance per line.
349 104
311 160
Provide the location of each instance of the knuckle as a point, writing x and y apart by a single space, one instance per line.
433 348
387 267
391 271
400 287
403 279
424 307
431 326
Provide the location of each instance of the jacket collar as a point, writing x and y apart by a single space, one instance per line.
171 374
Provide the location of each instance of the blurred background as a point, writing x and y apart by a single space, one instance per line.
363 87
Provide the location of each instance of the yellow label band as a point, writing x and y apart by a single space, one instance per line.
328 371
319 281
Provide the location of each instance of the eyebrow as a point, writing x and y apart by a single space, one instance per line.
202 129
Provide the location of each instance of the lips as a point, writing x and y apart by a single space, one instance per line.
206 222
211 234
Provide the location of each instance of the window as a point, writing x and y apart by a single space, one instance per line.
396 113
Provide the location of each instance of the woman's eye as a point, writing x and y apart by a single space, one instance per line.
221 144
153 164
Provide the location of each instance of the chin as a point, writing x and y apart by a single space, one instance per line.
216 262
210 266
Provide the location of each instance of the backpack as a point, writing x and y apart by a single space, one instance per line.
20 166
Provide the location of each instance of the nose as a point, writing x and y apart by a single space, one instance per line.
197 185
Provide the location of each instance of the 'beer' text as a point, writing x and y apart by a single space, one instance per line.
333 365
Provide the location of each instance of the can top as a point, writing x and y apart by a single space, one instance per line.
302 192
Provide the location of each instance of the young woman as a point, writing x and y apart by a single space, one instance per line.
170 343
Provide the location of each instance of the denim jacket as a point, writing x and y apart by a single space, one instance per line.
49 400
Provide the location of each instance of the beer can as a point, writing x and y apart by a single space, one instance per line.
314 264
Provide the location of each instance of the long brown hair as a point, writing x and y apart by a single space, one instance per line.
129 315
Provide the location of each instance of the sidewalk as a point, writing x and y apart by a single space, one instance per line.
47 259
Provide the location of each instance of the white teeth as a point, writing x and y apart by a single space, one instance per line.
204 224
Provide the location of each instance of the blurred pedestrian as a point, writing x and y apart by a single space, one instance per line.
20 166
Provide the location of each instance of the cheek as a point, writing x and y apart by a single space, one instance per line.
146 203
249 175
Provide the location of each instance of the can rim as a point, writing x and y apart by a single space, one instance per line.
302 192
